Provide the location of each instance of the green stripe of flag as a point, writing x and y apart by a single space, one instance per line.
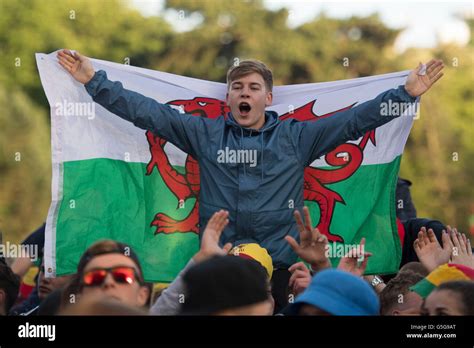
106 198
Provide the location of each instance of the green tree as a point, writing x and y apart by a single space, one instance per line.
439 154
107 29
25 165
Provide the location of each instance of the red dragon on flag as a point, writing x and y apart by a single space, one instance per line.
346 157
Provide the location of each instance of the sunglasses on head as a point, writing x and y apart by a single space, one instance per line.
121 275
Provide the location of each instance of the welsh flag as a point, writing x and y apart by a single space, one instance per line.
113 180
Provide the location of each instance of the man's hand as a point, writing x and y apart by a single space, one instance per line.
210 237
312 247
421 80
300 278
379 287
79 66
462 251
428 250
350 262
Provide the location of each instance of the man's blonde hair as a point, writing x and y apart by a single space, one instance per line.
250 66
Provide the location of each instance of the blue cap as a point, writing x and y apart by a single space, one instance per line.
340 293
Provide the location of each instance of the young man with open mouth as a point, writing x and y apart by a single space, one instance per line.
257 197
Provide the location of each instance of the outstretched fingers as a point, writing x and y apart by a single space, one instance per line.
433 66
462 241
433 71
66 60
304 233
307 219
227 247
67 55
431 236
79 56
469 248
447 243
416 246
222 220
436 78
65 65
421 237
293 243
218 222
454 238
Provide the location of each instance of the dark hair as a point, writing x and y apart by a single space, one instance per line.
250 66
465 290
223 282
395 287
102 247
415 267
10 283
107 246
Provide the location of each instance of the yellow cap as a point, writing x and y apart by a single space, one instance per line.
255 252
29 277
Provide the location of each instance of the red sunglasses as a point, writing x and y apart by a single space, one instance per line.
121 275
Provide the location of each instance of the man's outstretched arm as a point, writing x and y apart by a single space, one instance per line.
181 129
316 138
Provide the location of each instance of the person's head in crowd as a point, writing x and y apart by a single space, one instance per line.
450 298
442 274
223 285
9 288
397 299
254 251
415 267
336 292
112 269
102 305
46 286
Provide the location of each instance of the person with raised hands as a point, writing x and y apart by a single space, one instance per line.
312 247
456 248
355 261
172 298
286 146
462 250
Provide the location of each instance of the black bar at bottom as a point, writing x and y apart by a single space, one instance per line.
221 330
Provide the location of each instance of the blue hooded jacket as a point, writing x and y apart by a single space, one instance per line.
261 196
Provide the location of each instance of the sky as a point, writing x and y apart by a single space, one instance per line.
426 22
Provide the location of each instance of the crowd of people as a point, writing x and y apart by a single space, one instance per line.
437 278
285 269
